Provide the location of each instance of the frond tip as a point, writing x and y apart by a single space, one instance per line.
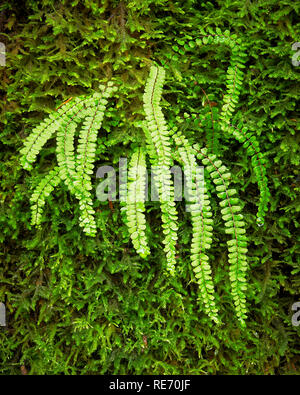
41 192
44 131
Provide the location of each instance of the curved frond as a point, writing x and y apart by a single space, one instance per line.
40 193
45 130
235 226
201 214
76 171
135 207
161 160
258 161
234 75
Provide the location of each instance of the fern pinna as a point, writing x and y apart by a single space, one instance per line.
164 146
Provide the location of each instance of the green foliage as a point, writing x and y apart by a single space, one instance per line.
258 162
135 206
41 192
201 214
235 226
74 170
161 160
91 305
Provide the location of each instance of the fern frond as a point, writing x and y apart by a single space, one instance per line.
44 131
85 156
234 76
135 207
40 193
65 140
201 220
86 149
76 171
234 81
235 226
212 128
258 161
161 159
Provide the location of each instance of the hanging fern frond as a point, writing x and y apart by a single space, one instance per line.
161 159
65 144
74 170
85 156
41 192
234 75
85 153
258 161
135 207
234 81
66 161
201 214
45 130
235 226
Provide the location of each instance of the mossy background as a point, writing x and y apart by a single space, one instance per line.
78 305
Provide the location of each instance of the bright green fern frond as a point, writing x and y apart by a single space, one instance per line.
38 197
258 161
235 226
85 156
201 214
78 178
210 124
161 160
234 81
65 139
88 136
135 207
45 130
234 76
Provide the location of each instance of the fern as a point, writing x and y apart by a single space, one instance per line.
135 206
258 161
44 131
41 192
213 123
235 226
74 169
161 159
201 224
234 75
163 147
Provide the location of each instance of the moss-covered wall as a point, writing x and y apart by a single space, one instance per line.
90 305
